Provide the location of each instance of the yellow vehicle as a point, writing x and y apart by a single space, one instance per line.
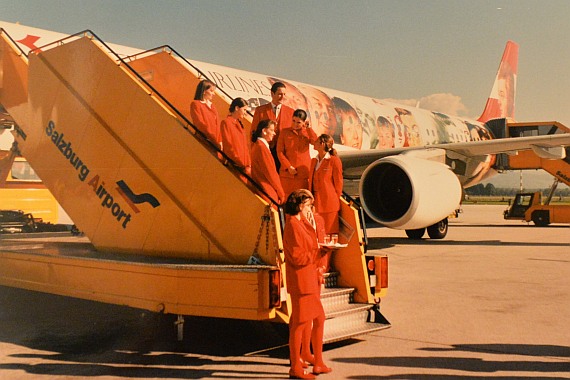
529 207
169 227
23 190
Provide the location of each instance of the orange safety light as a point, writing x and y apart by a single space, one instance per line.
371 265
383 271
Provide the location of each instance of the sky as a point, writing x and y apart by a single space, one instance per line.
443 54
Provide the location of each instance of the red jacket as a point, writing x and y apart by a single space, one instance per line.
301 255
263 171
235 142
206 120
293 150
326 184
266 112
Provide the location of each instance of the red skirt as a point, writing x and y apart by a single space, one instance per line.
306 307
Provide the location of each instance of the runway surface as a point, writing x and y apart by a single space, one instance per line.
491 300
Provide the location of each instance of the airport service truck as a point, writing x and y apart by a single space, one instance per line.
169 222
529 207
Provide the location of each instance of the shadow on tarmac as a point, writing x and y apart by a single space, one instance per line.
95 336
389 242
475 365
85 339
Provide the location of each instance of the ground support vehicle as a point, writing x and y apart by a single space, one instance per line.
529 207
170 224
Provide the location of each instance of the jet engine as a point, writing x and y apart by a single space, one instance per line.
407 193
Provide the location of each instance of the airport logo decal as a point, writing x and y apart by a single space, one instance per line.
133 199
97 184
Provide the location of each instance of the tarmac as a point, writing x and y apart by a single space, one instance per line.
491 300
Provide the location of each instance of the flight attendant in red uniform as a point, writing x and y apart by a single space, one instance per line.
275 111
263 169
325 182
303 283
204 114
234 139
293 153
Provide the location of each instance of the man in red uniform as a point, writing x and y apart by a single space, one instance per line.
275 111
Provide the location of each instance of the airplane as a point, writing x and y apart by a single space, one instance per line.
408 166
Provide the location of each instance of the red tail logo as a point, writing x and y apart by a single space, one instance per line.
501 102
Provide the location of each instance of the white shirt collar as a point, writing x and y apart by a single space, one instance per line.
319 162
264 141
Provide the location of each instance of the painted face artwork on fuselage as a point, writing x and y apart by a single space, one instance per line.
356 122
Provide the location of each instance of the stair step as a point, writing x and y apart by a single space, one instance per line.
350 325
333 292
339 310
331 279
336 298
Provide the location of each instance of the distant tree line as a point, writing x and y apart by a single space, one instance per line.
490 189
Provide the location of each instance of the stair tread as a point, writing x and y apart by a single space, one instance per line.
328 292
339 333
336 310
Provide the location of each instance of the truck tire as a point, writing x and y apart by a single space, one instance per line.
540 218
438 230
416 234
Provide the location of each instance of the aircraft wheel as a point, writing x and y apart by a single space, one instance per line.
541 218
438 230
416 234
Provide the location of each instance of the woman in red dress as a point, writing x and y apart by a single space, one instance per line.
263 169
204 114
303 283
325 182
234 138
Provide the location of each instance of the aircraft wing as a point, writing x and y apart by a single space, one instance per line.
547 146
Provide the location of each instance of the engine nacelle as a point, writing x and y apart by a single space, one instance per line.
407 193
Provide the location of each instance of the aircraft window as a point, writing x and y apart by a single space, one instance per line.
22 171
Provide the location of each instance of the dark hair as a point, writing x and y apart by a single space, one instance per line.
204 85
327 142
276 86
294 201
301 114
265 123
382 121
341 106
237 103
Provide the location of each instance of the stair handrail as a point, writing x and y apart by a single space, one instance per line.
5 32
169 49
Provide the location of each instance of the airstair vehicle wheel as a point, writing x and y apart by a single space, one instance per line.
416 234
541 218
438 230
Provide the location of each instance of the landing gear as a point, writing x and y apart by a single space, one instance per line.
416 234
438 230
180 327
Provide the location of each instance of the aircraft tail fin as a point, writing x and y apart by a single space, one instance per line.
501 102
